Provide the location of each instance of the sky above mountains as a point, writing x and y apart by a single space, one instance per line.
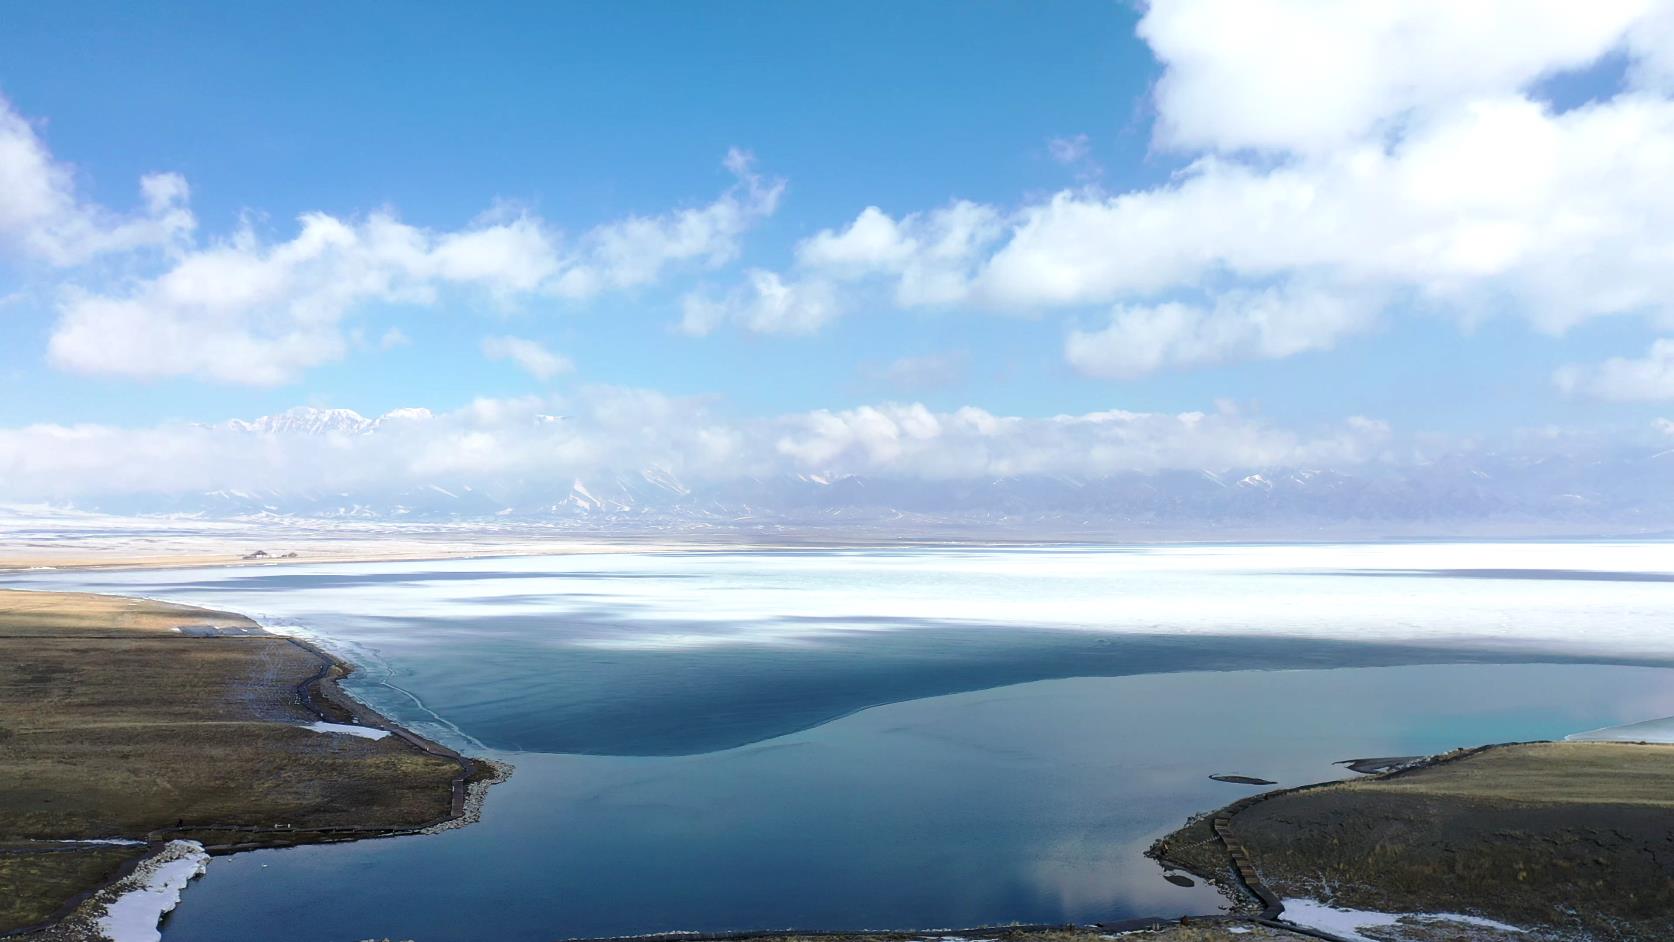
918 238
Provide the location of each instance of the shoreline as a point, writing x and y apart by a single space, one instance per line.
319 695
1563 780
1238 882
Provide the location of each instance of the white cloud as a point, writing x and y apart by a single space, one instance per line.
250 311
1559 216
41 216
1238 325
1389 150
1070 151
1075 152
246 309
635 251
928 255
972 442
1306 77
1646 378
766 303
600 430
529 355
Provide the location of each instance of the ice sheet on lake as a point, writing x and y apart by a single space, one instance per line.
134 915
1659 731
1519 595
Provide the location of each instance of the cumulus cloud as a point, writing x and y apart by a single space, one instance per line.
41 215
248 309
635 251
529 355
1424 164
1500 203
1646 378
1236 325
926 257
1300 76
608 430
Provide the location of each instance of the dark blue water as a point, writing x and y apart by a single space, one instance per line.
1030 803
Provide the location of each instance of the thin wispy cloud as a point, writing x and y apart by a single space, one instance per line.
530 356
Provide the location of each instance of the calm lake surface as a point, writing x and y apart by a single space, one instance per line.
870 739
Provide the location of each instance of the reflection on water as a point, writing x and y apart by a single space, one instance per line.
888 739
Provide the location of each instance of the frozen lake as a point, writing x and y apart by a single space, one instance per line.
902 738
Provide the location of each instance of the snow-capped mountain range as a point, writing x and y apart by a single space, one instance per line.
1626 492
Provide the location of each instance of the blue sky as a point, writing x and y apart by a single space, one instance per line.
579 116
586 113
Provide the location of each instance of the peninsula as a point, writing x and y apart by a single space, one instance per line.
132 732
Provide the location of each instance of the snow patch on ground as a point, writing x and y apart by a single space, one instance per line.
364 732
1347 923
156 884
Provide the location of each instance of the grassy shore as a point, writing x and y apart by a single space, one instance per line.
124 718
1567 840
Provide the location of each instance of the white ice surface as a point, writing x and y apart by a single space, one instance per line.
1661 731
1599 598
133 916
364 732
1347 923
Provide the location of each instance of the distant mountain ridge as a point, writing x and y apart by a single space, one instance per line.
1628 492
308 420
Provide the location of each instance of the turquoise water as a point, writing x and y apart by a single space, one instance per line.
931 738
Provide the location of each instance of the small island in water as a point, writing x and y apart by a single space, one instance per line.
138 737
